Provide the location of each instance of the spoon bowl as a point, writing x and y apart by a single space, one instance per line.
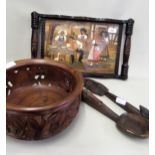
134 125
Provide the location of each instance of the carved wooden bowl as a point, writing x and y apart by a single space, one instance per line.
43 97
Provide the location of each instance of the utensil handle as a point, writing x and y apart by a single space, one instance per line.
100 89
97 104
123 104
127 46
95 87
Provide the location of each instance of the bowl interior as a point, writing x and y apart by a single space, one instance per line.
39 84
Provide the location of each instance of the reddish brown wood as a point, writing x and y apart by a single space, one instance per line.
43 97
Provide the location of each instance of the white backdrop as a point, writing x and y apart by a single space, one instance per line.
91 133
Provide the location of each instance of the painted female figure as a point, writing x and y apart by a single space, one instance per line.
104 40
95 51
61 37
99 50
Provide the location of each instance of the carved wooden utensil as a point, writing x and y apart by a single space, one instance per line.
129 123
101 90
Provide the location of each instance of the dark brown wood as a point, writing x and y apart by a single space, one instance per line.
95 87
134 125
127 46
94 102
129 123
42 98
144 111
35 36
101 90
37 44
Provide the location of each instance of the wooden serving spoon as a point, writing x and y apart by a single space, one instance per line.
100 89
129 123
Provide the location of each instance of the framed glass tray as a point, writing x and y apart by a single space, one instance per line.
91 45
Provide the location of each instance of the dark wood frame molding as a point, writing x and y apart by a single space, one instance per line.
37 44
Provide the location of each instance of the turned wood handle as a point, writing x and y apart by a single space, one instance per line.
97 104
34 38
127 46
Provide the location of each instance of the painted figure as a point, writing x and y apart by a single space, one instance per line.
99 50
73 46
94 54
83 34
82 37
61 37
103 41
87 45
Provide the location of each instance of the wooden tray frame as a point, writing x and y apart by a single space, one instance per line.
38 38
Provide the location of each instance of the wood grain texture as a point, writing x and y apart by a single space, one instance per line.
42 98
29 126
